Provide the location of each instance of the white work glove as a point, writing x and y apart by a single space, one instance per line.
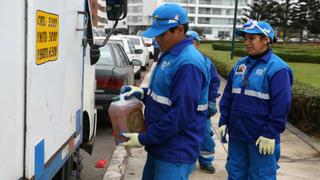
222 130
266 145
133 140
130 91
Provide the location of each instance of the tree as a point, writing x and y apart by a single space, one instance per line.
260 10
299 16
306 15
314 17
282 15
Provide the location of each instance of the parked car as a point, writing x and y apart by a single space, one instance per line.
148 42
296 40
113 70
139 43
130 50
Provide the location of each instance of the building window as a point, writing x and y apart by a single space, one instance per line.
191 20
203 20
134 19
223 34
135 9
216 11
207 30
134 1
229 12
204 10
190 10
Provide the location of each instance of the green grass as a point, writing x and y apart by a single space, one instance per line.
305 72
310 49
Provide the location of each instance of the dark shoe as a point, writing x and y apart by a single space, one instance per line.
208 168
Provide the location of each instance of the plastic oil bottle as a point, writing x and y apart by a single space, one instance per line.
126 116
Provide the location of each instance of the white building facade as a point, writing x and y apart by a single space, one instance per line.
214 17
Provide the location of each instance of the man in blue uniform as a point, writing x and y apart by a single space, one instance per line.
254 106
176 101
206 156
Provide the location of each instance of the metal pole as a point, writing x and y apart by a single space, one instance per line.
234 28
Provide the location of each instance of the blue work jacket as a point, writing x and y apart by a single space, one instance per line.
176 105
257 98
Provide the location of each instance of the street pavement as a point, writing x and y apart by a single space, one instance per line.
300 156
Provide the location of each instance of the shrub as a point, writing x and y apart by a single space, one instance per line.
302 57
305 107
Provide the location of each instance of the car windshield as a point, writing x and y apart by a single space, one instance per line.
135 41
105 56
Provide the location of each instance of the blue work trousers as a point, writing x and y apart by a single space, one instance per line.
246 163
155 169
207 147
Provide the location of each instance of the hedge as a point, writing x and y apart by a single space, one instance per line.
288 57
305 105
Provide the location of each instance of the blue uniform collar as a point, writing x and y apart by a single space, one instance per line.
181 45
264 58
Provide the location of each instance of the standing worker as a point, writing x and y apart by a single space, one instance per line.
206 156
254 106
176 101
156 50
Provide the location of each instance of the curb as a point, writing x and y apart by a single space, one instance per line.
311 142
117 165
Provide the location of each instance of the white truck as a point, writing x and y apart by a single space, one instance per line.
47 86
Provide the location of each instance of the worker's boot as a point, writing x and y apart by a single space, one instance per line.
208 168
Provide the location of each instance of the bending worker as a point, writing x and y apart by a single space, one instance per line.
176 101
206 156
254 106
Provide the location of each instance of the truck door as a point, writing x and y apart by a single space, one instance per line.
53 85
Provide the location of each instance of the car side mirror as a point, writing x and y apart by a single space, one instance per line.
116 9
136 62
138 51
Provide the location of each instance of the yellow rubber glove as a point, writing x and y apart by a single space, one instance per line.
266 145
133 140
222 130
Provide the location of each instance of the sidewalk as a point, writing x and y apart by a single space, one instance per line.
300 156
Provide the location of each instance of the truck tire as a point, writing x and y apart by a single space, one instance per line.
71 169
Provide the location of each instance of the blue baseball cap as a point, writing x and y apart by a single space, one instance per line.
256 27
166 17
193 34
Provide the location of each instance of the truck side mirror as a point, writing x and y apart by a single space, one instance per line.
94 54
116 9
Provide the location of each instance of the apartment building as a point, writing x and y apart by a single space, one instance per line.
213 17
99 17
139 14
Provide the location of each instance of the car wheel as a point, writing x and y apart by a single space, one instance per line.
138 75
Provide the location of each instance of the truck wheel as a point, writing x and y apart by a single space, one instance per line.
71 169
65 172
